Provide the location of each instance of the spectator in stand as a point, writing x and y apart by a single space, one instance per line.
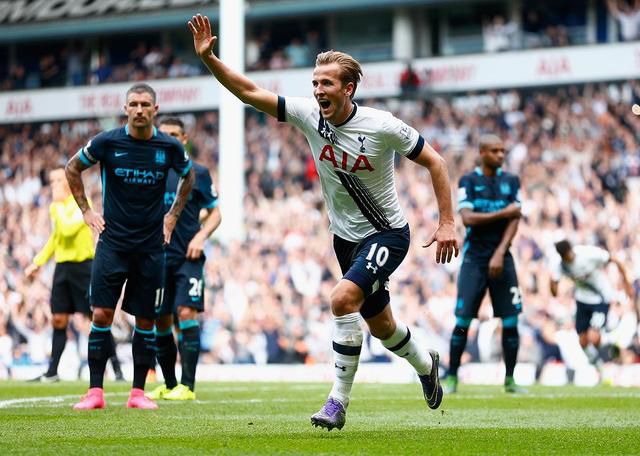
499 35
409 82
627 13
102 73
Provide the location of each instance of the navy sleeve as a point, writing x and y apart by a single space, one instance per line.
465 193
206 188
180 161
94 150
515 190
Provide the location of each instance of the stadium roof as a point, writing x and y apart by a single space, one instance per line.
31 20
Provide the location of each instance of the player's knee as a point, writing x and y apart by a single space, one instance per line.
164 323
60 321
187 313
145 324
343 302
102 316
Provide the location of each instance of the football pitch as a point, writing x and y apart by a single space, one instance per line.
273 418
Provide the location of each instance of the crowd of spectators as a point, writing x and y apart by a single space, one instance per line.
577 151
80 63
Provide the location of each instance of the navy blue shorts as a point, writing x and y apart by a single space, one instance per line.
144 276
184 286
590 316
473 282
370 262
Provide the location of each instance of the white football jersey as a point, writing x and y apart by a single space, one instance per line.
587 271
355 162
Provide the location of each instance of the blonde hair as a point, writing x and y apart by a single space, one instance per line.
351 70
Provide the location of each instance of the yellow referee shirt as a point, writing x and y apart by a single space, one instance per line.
71 239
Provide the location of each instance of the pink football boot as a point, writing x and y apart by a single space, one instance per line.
94 399
137 399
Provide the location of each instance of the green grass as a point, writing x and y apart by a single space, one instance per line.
270 418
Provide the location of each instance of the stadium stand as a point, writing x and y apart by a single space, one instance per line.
575 148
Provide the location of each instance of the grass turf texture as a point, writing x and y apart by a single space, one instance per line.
270 418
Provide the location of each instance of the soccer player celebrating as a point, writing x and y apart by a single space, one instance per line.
71 243
184 278
353 148
584 264
489 203
134 161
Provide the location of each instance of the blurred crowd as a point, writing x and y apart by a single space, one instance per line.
576 149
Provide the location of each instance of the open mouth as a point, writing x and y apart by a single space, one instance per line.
324 104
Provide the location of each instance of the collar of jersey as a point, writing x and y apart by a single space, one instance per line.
480 173
353 113
126 130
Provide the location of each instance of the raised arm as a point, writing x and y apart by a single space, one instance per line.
73 172
185 184
445 236
236 83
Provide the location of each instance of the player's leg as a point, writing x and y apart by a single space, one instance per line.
189 296
590 320
347 339
397 338
61 307
108 274
506 298
166 349
143 296
472 286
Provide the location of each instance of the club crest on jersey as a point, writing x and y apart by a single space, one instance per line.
361 162
160 157
362 139
505 189
326 132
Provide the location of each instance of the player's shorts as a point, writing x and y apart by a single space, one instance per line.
473 282
144 276
370 262
590 316
184 286
70 288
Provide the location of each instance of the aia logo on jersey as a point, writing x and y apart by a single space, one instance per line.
361 163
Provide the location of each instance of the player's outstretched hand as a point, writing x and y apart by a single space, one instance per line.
446 242
170 221
200 28
94 220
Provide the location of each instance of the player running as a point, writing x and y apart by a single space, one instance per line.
489 203
134 162
585 264
184 289
353 148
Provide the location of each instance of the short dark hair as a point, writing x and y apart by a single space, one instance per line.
142 87
563 247
172 121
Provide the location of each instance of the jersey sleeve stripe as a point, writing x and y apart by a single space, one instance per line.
282 112
186 170
417 149
465 205
213 204
86 158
